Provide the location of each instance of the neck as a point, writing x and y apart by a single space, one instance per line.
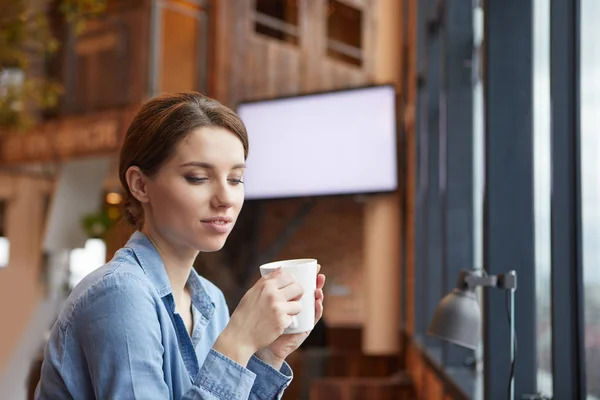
177 259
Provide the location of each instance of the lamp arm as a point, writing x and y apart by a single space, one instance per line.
508 281
474 281
469 280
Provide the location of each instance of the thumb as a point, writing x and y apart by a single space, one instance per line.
273 274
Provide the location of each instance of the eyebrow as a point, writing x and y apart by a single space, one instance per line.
209 166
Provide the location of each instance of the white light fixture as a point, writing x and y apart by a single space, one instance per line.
114 198
4 252
84 261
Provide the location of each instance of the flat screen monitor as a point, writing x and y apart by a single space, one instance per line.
335 143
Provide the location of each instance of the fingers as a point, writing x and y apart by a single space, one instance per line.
319 294
318 268
273 274
320 281
292 308
318 310
280 278
290 289
293 291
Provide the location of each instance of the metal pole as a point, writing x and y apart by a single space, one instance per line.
512 343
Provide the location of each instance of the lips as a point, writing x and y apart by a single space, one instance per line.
218 220
220 225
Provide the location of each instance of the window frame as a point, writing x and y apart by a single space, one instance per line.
509 189
568 344
339 48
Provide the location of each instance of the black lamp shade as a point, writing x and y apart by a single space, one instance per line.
457 319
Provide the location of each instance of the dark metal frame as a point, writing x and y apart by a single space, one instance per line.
568 357
457 146
421 176
508 199
434 67
445 236
444 232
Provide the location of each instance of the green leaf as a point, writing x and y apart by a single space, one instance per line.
26 36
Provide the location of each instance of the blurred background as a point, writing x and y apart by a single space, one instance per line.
424 137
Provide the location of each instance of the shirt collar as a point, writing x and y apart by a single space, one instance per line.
200 297
152 265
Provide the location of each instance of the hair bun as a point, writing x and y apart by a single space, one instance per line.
133 212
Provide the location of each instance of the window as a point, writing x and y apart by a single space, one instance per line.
478 178
344 33
590 188
277 19
542 179
83 261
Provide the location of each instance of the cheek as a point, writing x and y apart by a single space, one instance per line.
238 199
178 201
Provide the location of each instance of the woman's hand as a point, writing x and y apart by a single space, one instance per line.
275 353
261 317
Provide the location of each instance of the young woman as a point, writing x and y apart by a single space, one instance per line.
146 325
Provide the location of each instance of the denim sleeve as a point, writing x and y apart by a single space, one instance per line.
269 383
121 338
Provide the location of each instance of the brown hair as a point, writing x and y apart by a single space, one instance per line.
157 129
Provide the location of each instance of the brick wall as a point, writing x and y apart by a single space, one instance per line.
332 233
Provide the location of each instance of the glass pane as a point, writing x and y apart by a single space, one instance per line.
590 187
542 179
478 176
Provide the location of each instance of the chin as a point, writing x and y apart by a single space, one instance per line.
209 245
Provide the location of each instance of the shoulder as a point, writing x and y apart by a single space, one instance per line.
120 283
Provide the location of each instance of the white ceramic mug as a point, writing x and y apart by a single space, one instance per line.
305 272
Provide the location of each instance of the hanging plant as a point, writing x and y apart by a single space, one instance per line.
97 225
26 41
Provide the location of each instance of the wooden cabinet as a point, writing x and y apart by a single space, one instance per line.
105 66
134 50
270 48
234 50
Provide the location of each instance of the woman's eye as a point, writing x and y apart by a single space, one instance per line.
236 181
196 180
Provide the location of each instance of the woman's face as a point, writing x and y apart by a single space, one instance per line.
196 197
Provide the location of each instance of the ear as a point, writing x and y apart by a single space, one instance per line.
136 180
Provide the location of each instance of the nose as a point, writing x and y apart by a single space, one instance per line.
222 196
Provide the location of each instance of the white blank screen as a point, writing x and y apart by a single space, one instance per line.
323 144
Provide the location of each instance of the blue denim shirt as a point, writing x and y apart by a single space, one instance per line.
119 337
